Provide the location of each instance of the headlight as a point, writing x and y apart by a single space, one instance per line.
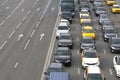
68 61
57 61
106 36
112 47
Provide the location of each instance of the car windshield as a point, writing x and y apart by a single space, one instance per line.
65 37
107 23
94 77
54 70
100 9
117 6
85 6
85 17
118 62
87 41
62 28
88 31
62 52
67 6
110 31
90 55
104 16
115 41
97 3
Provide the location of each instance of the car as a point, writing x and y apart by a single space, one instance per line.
114 44
66 21
116 65
90 57
83 11
99 10
106 24
87 43
108 33
97 4
65 40
59 76
85 17
88 31
85 7
102 17
86 23
63 55
110 2
93 73
116 8
62 28
54 67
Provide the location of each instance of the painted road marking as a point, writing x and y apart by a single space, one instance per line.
11 34
22 9
28 12
27 44
51 46
104 51
41 36
110 70
32 33
18 25
19 37
77 38
100 38
52 9
78 52
4 2
37 24
7 8
2 22
16 64
24 18
78 71
3 45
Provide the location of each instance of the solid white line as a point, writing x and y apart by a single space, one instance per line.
16 64
50 49
3 45
32 33
11 34
4 2
12 12
27 44
2 22
110 71
78 71
24 18
37 24
18 25
7 17
78 52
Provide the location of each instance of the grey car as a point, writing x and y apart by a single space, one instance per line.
108 33
99 10
54 67
87 43
63 55
114 44
65 40
102 17
106 24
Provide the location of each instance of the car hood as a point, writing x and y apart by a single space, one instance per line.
115 45
66 14
91 60
99 12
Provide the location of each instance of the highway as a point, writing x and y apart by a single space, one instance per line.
26 28
27 40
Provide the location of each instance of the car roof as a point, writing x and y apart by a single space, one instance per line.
63 24
93 69
89 50
63 48
64 20
55 65
65 34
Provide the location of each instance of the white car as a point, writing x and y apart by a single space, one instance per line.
65 20
83 12
90 57
62 28
116 65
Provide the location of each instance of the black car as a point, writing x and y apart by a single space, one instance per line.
99 10
87 43
65 40
102 17
63 55
54 67
106 24
108 33
114 44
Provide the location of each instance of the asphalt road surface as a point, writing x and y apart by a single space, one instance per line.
27 40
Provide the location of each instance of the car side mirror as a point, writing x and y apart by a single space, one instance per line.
45 73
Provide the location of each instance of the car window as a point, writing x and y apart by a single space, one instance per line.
65 37
90 55
117 6
54 70
88 31
62 28
94 77
115 41
110 31
62 52
87 41
85 17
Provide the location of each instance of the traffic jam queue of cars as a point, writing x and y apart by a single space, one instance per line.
90 58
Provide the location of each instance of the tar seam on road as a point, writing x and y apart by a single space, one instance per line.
11 34
3 45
